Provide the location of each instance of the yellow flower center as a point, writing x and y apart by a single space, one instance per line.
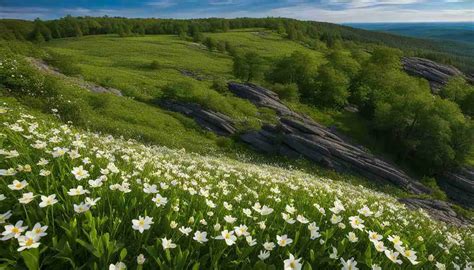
29 242
18 185
15 230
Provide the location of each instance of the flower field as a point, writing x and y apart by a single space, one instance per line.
73 199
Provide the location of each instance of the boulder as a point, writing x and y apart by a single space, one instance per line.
459 185
259 96
436 74
210 120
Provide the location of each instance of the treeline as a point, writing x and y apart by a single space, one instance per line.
307 32
430 132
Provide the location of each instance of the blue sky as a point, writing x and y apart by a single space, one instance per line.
339 11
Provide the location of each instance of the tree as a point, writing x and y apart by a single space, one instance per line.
77 31
225 26
41 32
38 37
379 77
344 62
456 90
248 66
281 29
298 68
292 33
468 104
331 87
286 91
210 43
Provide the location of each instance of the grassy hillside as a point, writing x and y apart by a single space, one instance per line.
113 61
125 63
94 200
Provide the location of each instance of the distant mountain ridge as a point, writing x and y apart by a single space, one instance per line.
453 31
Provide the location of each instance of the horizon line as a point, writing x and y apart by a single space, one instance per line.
250 17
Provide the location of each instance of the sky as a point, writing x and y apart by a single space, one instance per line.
337 11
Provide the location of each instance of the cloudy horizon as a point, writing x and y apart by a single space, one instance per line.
336 11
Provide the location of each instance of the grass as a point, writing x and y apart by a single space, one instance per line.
99 227
123 63
267 44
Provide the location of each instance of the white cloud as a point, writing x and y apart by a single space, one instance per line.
162 3
374 14
304 11
371 3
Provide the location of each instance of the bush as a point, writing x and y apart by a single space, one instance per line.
248 67
210 43
178 91
331 88
221 46
154 65
438 193
220 86
267 115
99 101
287 92
73 111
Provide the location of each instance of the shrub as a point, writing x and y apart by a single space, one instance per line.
155 64
287 92
438 193
267 115
221 46
248 67
332 88
178 91
220 86
210 43
99 101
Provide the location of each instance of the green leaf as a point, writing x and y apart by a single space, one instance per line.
307 266
312 256
368 256
260 266
31 258
123 254
196 266
89 247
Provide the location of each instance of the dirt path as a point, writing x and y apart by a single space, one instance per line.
90 86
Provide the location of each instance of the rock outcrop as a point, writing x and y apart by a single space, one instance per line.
210 120
89 86
437 209
459 185
296 135
436 74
